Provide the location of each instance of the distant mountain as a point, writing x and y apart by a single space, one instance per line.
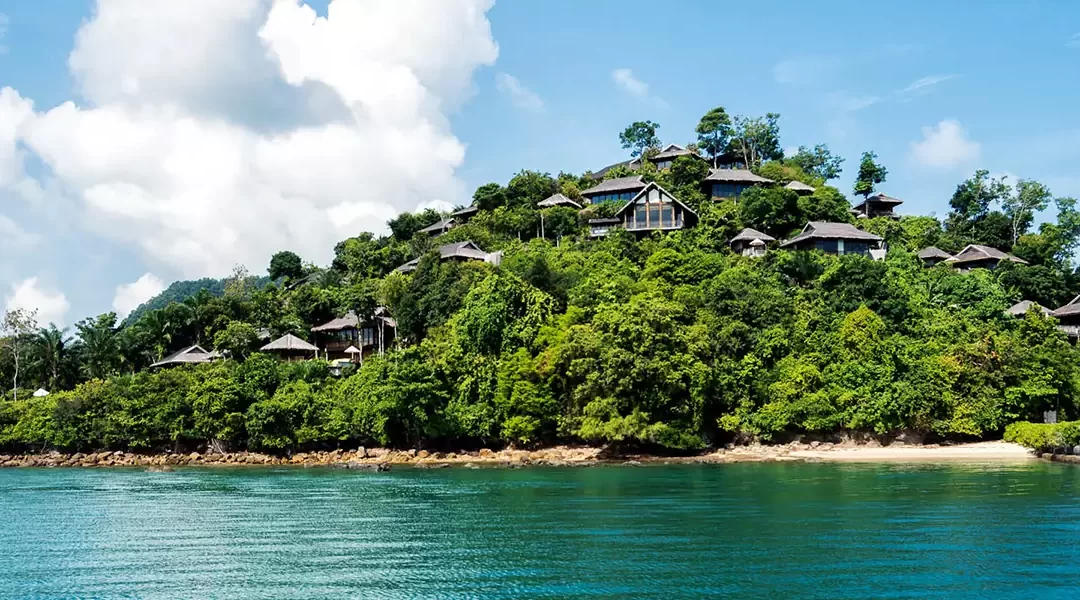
178 292
182 290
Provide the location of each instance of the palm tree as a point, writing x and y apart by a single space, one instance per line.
51 345
99 345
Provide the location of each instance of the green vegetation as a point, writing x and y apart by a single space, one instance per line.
1044 437
668 341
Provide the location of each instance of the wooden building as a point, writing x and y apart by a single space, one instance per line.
878 205
652 209
933 255
731 183
621 189
976 256
836 238
460 251
291 348
369 336
1068 317
751 242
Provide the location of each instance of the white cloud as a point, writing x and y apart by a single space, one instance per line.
217 133
29 294
926 82
626 81
130 295
519 94
845 101
945 145
13 237
1073 41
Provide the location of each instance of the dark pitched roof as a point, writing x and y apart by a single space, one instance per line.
736 176
878 199
467 250
820 230
557 200
439 226
288 343
933 252
1021 308
465 212
661 191
349 321
752 234
632 183
1072 308
977 252
671 151
186 356
632 164
799 186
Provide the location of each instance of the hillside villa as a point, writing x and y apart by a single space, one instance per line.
751 242
878 205
731 183
663 160
976 256
349 337
837 238
460 251
192 355
651 209
933 255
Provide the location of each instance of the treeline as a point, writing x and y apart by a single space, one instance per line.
669 341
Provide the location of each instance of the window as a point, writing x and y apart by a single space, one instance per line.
639 215
654 215
829 246
728 190
668 215
854 247
367 336
664 164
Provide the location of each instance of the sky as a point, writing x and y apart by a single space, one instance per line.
145 141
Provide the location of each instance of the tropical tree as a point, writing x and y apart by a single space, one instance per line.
286 265
99 344
1030 198
714 132
52 348
18 325
818 161
757 139
639 136
870 174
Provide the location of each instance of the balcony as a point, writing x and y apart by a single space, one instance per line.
664 225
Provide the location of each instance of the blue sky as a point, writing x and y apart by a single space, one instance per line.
937 89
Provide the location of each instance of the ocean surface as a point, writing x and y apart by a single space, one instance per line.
741 530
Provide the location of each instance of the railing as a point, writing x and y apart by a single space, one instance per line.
1070 330
668 224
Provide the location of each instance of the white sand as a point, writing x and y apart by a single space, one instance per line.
978 452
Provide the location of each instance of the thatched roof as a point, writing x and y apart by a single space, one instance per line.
187 356
736 176
465 250
1021 308
468 211
349 321
557 200
878 199
288 343
799 186
644 192
439 226
619 184
672 151
978 252
752 234
933 252
820 230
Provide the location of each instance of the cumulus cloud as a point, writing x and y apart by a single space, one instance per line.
13 237
626 81
30 294
217 133
944 146
519 94
130 295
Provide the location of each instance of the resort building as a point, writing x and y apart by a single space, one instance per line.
975 256
837 238
602 226
192 355
462 216
343 334
878 205
1068 317
557 200
800 188
440 227
622 189
291 348
1021 308
652 209
933 255
460 251
731 183
751 242
663 160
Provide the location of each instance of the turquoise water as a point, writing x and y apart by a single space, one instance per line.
744 530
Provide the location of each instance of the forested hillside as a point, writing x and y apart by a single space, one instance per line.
669 341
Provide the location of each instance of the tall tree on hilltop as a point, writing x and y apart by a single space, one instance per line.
757 139
714 132
971 204
17 326
1030 198
286 264
818 162
870 174
639 137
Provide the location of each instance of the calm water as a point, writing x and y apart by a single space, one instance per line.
750 530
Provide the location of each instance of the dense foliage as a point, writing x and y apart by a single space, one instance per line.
669 341
1044 437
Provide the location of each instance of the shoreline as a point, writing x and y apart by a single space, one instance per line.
379 459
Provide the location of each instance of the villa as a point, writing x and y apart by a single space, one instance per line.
663 160
652 209
975 256
933 255
1068 317
291 348
440 227
731 183
800 188
621 189
460 251
837 238
349 337
878 205
751 242
1021 308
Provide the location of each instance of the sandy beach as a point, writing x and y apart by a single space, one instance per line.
976 452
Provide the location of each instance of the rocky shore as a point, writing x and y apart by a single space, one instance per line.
378 459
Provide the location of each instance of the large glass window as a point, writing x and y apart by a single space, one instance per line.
853 247
728 190
829 246
639 215
668 212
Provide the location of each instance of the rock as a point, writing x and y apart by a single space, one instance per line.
421 454
359 466
815 444
486 453
361 452
194 456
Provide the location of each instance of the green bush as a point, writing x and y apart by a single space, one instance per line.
1042 437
